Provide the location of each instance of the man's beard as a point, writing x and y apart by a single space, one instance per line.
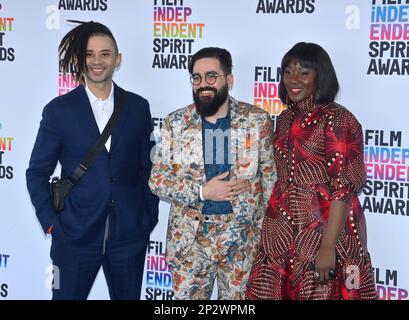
208 106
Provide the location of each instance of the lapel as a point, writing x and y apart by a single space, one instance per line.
85 116
122 118
192 141
239 127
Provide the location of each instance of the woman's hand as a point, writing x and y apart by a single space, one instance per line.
326 256
325 265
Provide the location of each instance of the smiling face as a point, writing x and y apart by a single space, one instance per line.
300 82
101 60
208 98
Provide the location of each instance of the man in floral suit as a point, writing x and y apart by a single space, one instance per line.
215 165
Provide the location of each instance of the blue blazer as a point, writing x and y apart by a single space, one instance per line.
116 184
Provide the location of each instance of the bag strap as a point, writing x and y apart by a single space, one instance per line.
99 144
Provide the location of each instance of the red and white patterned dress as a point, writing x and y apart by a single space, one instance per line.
319 158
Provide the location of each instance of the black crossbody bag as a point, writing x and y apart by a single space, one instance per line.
59 188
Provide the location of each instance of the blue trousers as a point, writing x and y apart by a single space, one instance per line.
76 267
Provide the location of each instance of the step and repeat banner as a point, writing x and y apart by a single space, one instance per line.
368 41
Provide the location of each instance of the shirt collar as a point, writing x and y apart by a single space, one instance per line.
92 98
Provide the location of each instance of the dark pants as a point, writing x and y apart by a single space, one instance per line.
77 268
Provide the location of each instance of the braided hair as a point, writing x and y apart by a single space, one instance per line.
73 47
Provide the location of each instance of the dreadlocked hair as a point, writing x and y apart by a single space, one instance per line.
73 47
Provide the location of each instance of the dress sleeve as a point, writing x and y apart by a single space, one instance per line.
344 155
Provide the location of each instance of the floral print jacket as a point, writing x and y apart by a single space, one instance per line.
178 172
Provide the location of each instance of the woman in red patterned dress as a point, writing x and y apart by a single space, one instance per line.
314 234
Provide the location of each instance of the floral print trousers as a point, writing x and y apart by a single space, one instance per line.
215 256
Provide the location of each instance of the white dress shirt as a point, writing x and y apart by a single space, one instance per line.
102 110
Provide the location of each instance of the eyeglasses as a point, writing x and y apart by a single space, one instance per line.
210 78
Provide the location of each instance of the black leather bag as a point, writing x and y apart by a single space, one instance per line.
59 188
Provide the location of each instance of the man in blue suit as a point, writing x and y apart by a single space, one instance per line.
110 213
